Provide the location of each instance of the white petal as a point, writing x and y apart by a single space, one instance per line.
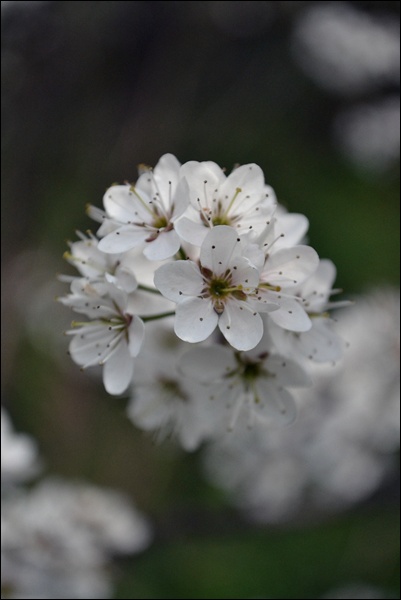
290 315
148 409
290 266
181 199
220 247
123 205
195 320
241 327
203 179
244 274
207 365
191 231
125 279
165 245
88 344
275 404
123 239
168 168
249 178
320 343
86 257
178 280
294 227
118 370
287 372
316 290
136 333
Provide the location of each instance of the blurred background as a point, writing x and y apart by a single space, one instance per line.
310 92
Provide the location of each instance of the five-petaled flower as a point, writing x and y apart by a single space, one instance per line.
112 339
219 291
242 200
144 214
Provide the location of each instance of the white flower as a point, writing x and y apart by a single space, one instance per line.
19 455
58 539
218 292
345 442
285 269
163 401
113 339
242 200
98 266
320 343
145 213
255 382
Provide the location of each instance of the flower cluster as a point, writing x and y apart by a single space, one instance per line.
225 266
59 537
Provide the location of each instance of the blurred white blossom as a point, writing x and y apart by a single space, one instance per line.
344 443
346 49
58 539
370 134
19 454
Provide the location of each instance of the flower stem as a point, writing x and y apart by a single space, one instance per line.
181 255
145 288
159 316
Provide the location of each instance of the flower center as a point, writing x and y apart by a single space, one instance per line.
218 288
221 220
160 222
172 389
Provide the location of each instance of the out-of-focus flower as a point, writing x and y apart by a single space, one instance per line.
345 49
19 455
58 539
369 134
252 382
343 445
163 401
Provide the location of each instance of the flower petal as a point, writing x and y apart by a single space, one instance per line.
242 327
165 245
291 315
195 320
319 344
136 333
316 290
190 230
88 343
220 247
181 199
248 178
178 280
123 205
244 274
118 370
287 372
207 365
294 227
203 179
275 405
123 239
290 266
